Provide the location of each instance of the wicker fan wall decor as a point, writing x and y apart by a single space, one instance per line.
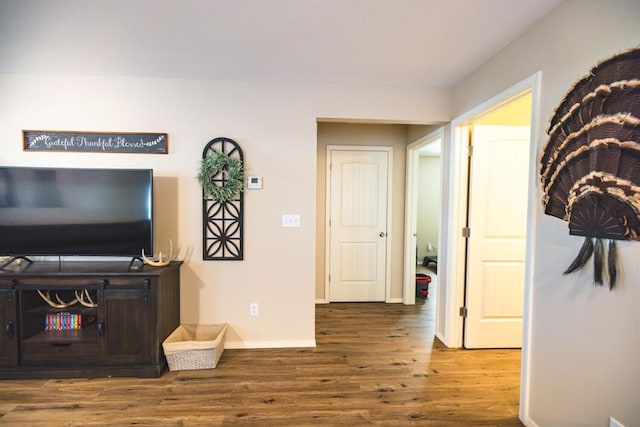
590 164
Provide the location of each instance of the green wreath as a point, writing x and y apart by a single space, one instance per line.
233 183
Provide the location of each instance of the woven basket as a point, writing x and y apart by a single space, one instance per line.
192 346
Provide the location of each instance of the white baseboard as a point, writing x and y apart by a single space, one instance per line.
440 336
268 344
391 301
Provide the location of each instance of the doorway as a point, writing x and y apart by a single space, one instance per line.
350 136
456 210
456 220
423 205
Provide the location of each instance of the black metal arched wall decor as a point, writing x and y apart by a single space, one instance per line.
222 226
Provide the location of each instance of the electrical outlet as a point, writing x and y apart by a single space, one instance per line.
253 309
615 423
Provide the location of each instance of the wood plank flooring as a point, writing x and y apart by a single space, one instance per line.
374 364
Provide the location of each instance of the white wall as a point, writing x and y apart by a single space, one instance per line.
585 340
427 230
275 124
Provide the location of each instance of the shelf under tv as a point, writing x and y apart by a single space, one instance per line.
122 336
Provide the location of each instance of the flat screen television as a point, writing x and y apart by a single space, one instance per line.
75 212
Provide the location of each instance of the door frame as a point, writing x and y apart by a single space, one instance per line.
327 245
458 171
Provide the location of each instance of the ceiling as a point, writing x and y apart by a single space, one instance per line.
390 42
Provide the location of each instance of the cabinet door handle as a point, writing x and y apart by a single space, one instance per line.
101 328
9 328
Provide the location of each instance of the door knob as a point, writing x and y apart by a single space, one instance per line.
382 234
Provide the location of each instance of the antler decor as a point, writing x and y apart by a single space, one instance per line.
60 304
83 297
80 297
160 262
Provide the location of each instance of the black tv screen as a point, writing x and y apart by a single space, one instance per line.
75 212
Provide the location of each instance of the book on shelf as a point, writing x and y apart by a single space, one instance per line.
62 321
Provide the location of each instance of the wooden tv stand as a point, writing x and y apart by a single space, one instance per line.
135 310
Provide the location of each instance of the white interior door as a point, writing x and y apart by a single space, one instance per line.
358 190
496 246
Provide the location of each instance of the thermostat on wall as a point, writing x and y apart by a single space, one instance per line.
254 182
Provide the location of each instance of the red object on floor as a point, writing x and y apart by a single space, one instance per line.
423 278
422 284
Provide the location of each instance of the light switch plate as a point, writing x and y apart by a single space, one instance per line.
290 220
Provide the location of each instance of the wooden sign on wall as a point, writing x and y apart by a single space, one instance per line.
108 142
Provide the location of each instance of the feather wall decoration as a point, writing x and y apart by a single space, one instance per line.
590 164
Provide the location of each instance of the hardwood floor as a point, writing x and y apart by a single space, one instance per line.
374 364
